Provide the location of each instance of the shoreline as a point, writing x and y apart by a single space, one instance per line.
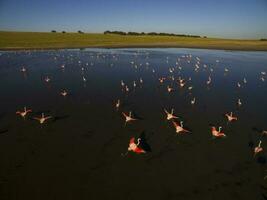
23 41
152 46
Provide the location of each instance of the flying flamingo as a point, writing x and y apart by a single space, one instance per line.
170 115
134 147
42 119
64 93
118 103
209 81
179 127
193 101
129 117
161 80
231 117
169 89
122 83
239 102
24 112
216 133
23 69
47 79
258 149
84 79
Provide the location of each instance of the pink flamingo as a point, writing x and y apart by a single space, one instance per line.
118 103
179 127
216 133
170 115
129 117
258 149
231 117
134 147
24 112
42 119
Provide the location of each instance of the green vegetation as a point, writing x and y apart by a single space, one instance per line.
150 33
34 40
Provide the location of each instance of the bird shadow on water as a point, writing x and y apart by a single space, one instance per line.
143 142
3 131
261 160
57 118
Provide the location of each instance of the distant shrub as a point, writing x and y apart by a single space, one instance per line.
79 31
150 33
115 32
263 39
53 31
63 31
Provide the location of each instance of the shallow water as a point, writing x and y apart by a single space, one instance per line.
80 152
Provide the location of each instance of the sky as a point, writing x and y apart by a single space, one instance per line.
212 18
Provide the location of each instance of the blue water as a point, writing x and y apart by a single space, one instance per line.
78 153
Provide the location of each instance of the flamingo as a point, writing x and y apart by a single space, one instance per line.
161 80
170 115
129 117
24 112
193 101
209 81
64 93
118 103
23 69
239 103
179 127
42 119
181 83
169 89
216 133
134 147
231 117
84 79
122 83
258 149
47 79
134 84
127 89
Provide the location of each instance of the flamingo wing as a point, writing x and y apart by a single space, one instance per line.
48 117
138 150
37 118
132 140
124 114
176 124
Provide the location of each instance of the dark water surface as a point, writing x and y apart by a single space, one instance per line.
78 153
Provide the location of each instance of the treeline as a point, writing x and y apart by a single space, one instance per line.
150 33
79 31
